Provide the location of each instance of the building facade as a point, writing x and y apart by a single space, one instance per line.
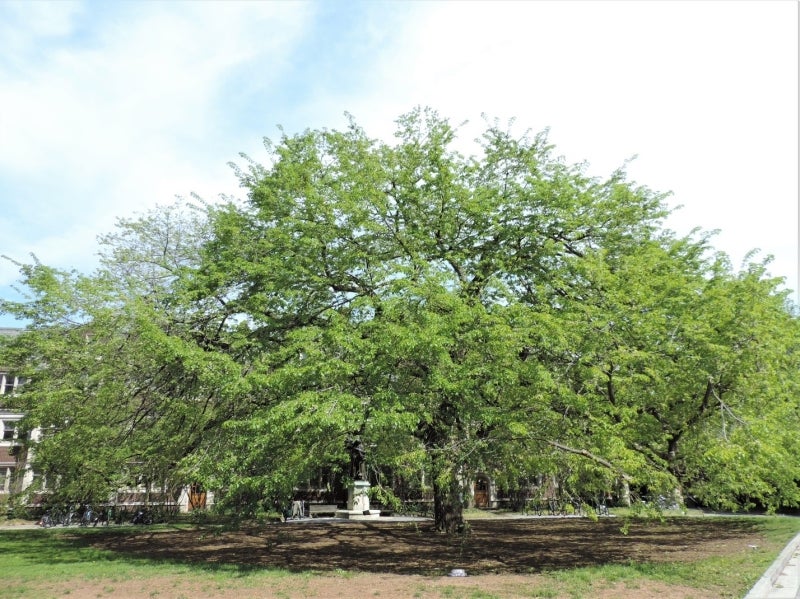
15 471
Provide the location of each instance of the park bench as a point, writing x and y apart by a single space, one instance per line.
318 509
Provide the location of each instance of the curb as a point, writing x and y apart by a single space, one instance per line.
766 587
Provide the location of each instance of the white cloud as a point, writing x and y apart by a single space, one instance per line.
141 82
705 93
107 109
128 117
27 24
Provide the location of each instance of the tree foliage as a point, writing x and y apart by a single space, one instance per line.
501 313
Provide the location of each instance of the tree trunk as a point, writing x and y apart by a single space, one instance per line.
625 493
448 504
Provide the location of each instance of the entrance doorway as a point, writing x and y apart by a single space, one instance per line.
197 497
481 491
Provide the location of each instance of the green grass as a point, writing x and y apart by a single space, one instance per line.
31 558
730 575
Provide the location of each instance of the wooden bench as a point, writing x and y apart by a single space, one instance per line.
317 509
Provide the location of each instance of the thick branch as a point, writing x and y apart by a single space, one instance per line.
588 454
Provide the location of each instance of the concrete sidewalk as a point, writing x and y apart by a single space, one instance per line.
782 578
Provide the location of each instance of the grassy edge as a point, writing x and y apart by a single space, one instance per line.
58 559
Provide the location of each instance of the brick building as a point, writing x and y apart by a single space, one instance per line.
15 473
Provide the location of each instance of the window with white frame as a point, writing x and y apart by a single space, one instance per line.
7 430
8 383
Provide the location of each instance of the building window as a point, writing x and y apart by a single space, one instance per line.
8 429
7 383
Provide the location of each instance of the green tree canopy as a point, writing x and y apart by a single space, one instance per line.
503 312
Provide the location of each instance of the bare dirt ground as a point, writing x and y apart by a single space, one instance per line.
362 586
502 558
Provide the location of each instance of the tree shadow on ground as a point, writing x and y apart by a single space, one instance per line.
492 546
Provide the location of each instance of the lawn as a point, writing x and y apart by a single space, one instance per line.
681 557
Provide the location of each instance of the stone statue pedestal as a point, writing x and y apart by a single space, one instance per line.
358 503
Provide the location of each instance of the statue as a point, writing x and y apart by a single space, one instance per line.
358 488
358 464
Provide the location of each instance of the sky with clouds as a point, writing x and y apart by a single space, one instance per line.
108 109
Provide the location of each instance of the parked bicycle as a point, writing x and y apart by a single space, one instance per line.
555 507
88 517
46 521
103 518
142 517
601 505
533 506
576 506
69 517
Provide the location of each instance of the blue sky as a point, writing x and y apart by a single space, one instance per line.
108 109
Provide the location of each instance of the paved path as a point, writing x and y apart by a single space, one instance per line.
782 578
